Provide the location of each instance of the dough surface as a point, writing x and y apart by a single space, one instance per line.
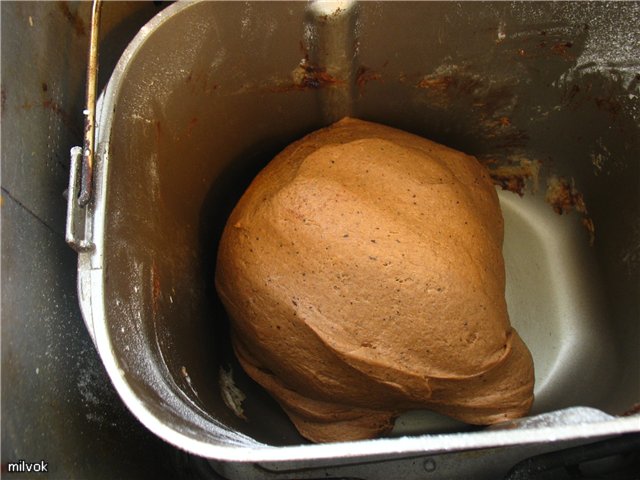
362 271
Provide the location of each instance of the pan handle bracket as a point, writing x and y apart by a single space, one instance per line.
80 189
76 214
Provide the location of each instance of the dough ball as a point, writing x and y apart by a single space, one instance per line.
363 274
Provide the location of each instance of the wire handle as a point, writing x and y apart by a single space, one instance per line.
88 151
80 188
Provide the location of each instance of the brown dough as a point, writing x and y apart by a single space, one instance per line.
363 274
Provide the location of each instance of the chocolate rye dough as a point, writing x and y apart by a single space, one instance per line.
363 274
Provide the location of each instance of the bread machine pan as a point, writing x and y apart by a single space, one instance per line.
545 94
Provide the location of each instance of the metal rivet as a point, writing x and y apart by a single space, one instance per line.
429 465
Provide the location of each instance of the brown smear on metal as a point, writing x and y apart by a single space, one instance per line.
56 108
308 75
52 106
633 410
577 96
198 80
74 18
514 178
562 49
156 290
561 193
365 75
458 84
563 197
492 104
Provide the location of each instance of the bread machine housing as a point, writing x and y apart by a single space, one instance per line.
546 94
